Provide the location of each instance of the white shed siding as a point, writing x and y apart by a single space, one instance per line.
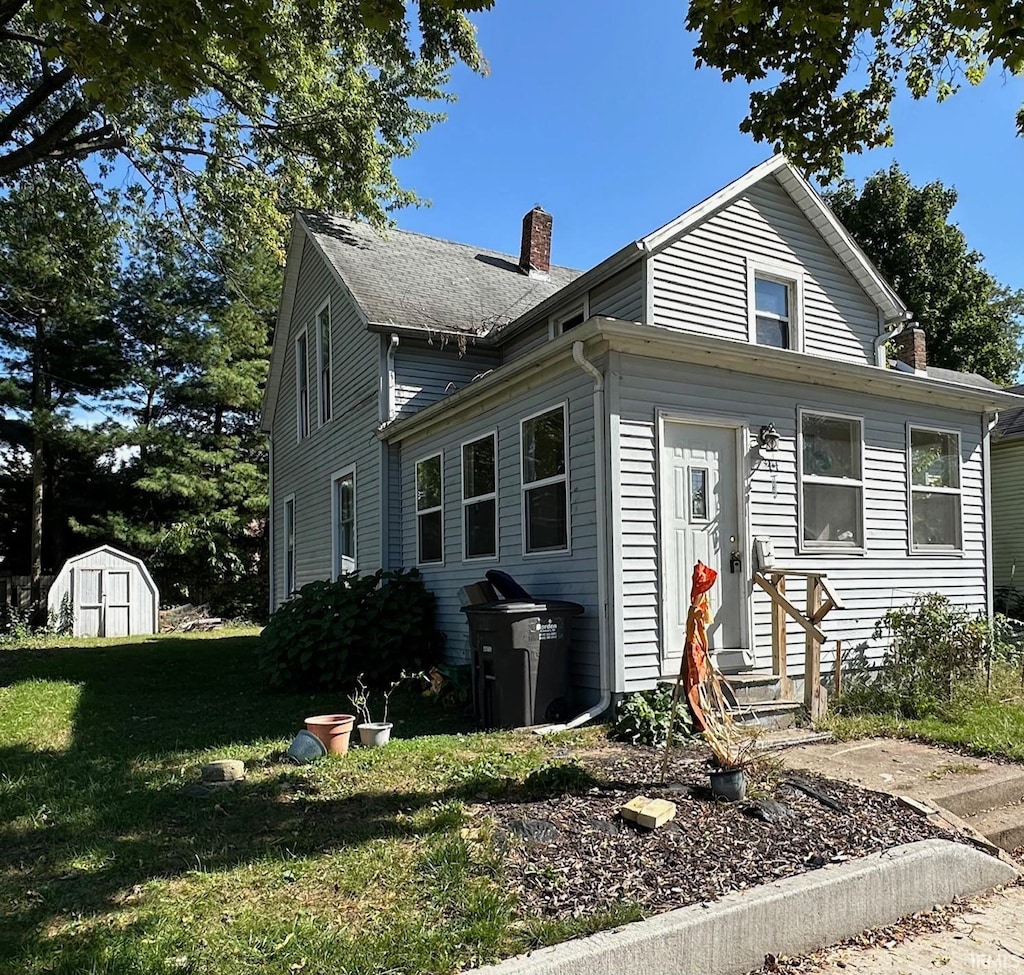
1008 513
304 468
700 281
570 576
425 373
870 584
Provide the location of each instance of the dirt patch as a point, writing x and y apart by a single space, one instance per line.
573 855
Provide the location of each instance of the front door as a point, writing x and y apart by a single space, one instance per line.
700 522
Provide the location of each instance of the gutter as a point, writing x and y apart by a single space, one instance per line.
879 343
606 646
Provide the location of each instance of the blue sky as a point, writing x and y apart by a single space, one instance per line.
595 111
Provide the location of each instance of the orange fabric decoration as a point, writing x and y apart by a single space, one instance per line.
696 661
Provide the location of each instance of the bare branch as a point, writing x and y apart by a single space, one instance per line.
32 102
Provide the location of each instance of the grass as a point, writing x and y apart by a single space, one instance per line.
351 865
978 723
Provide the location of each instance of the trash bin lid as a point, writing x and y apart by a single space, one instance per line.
522 607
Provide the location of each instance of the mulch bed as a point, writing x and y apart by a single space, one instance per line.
573 855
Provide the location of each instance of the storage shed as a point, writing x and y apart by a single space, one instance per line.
108 592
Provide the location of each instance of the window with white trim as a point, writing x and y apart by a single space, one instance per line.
343 522
773 303
323 360
569 321
479 499
935 493
429 511
831 481
302 384
545 489
288 526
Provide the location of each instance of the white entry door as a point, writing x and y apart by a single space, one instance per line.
700 522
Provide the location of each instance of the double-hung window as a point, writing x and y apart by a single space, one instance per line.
831 481
479 499
429 511
343 522
774 300
545 489
289 546
323 360
935 501
302 384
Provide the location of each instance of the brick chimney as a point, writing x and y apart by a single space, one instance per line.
535 253
911 348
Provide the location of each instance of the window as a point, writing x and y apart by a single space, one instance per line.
832 489
302 384
934 490
323 360
545 495
479 499
429 511
289 546
343 523
568 320
775 299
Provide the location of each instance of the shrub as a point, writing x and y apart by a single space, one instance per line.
934 647
377 626
642 718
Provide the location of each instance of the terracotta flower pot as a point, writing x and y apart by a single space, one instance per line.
333 730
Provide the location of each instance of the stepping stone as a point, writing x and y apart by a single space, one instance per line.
225 770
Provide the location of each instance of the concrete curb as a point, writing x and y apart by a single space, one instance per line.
732 935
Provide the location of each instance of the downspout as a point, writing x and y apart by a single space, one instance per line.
901 325
986 460
605 643
389 379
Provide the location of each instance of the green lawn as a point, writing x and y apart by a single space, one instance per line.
988 724
352 865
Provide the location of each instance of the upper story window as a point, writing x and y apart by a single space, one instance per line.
831 482
343 522
935 494
570 319
544 476
429 511
302 384
479 499
775 299
323 359
288 529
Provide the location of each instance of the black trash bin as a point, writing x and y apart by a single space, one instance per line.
521 661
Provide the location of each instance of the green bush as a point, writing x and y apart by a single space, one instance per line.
378 625
935 649
642 718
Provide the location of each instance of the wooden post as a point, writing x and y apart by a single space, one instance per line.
812 656
779 641
837 676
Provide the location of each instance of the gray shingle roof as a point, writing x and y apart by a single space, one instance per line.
1011 422
407 279
964 378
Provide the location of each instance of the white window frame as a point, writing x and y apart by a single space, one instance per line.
525 488
428 511
346 473
912 548
578 308
476 499
806 547
289 546
324 370
302 417
793 278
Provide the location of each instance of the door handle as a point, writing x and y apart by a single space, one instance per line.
735 561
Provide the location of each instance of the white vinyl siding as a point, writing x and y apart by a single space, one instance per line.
343 522
479 499
323 361
544 438
430 510
831 466
933 460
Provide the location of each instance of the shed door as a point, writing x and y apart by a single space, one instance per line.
700 521
88 586
117 587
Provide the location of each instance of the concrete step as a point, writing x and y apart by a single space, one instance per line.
754 686
1003 826
768 714
990 789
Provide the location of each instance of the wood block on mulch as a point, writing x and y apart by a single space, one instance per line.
656 813
632 808
226 770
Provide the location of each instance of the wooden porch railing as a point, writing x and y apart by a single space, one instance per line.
821 600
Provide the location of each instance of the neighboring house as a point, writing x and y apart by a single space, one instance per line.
594 434
1008 507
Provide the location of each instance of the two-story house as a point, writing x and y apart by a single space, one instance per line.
720 380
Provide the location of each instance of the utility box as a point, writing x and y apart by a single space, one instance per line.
521 661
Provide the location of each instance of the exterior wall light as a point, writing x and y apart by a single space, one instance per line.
768 437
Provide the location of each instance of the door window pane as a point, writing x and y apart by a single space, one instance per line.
698 493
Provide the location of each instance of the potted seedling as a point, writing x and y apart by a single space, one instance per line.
732 746
374 734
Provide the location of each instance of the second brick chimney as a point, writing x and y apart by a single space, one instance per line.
535 253
911 348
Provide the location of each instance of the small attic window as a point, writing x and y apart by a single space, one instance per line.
568 320
774 306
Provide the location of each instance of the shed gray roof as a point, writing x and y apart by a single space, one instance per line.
407 279
1011 422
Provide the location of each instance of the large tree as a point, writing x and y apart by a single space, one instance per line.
242 108
973 323
831 70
